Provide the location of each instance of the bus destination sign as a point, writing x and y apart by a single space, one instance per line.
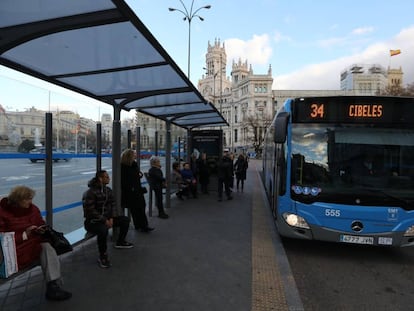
343 109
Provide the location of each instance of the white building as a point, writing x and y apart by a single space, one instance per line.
150 128
245 99
69 129
369 79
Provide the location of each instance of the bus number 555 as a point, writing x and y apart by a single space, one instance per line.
329 212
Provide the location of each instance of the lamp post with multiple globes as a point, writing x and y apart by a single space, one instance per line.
188 16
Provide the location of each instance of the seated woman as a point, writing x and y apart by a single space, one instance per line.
189 179
18 214
177 180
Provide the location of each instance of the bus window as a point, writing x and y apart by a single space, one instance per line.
344 161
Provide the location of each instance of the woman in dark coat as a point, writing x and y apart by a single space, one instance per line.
240 167
132 193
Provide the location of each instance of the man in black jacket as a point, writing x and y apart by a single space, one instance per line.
225 175
157 183
101 214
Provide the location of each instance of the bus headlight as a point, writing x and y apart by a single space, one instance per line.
295 221
409 231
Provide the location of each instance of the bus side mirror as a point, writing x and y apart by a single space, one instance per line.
281 127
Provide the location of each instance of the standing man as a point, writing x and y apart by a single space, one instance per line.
157 182
225 175
101 214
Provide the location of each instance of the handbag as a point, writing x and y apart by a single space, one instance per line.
8 256
58 241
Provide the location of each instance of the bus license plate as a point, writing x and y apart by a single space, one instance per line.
357 239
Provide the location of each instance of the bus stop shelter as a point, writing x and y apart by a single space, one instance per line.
101 49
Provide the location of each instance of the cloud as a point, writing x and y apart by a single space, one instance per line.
326 75
330 42
278 37
257 51
352 39
362 30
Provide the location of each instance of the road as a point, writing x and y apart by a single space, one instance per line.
344 277
70 180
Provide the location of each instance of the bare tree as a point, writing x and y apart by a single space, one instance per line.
409 90
256 129
397 90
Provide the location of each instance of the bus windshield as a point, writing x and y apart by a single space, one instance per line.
352 164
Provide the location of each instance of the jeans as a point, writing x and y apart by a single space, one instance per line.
101 231
226 183
158 201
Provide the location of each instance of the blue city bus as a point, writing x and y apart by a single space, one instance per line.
341 169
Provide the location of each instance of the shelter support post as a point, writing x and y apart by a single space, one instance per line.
179 149
116 165
116 158
189 145
168 164
138 146
156 143
48 170
98 146
129 139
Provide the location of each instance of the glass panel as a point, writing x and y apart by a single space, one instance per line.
22 139
128 81
349 164
81 50
15 12
166 100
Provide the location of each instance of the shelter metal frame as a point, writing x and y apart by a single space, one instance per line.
101 49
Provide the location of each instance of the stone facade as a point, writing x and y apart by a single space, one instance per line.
17 126
369 79
151 127
244 99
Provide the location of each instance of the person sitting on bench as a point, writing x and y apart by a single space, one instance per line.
189 179
18 214
177 180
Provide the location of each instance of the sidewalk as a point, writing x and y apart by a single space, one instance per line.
208 255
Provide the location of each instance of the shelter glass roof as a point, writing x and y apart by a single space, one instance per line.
101 49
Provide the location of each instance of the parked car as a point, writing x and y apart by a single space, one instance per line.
39 154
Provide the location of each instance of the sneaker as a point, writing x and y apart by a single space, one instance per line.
104 262
124 244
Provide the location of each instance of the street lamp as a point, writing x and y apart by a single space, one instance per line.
214 82
188 16
214 74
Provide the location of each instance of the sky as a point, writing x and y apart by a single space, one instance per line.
307 43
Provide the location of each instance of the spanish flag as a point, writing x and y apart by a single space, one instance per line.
395 52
